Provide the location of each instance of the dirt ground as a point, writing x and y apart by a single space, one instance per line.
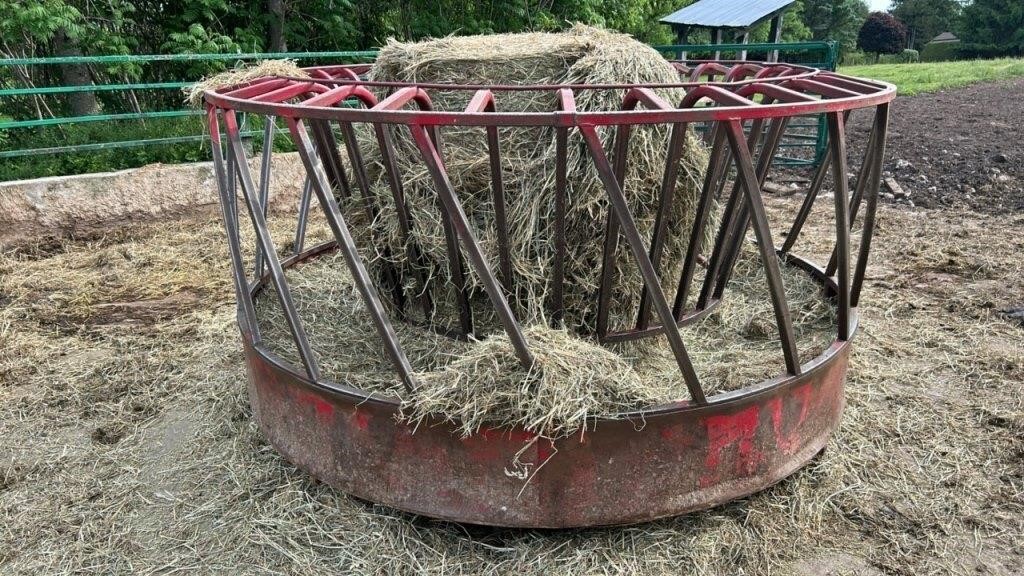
962 147
127 447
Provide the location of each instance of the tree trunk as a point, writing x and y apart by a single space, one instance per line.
82 103
275 9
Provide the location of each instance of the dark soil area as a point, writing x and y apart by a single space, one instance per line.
963 147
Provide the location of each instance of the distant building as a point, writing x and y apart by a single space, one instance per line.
945 46
945 38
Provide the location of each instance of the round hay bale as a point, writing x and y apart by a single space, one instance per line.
582 55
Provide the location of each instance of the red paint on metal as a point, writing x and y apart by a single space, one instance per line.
321 407
324 408
545 450
484 446
678 434
362 419
787 432
725 431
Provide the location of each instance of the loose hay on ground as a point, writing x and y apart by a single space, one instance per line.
473 384
923 477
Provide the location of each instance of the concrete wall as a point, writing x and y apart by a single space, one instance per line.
91 204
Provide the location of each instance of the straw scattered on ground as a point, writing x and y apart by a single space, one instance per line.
573 378
127 446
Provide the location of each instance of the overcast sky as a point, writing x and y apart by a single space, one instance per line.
878 5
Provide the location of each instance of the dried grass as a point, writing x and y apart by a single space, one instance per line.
583 55
573 378
129 448
241 75
569 379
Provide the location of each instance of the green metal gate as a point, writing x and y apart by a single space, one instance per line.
805 139
159 121
803 144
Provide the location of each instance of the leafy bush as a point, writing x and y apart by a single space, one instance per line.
855 58
904 57
908 56
941 52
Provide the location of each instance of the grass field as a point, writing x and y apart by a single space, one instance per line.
934 76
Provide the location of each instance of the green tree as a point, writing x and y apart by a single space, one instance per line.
794 28
926 19
838 20
992 28
64 28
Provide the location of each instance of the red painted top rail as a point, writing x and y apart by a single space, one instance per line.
308 97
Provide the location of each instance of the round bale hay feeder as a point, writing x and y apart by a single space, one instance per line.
360 138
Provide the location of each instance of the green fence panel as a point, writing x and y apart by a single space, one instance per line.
172 99
809 138
801 136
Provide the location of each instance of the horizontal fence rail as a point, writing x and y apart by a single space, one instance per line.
171 105
806 139
31 113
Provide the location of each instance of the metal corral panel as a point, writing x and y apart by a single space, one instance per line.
726 13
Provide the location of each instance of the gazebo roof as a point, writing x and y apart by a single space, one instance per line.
726 13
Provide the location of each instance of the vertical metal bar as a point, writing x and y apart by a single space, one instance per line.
718 253
389 274
567 104
498 191
227 200
870 209
864 174
749 181
837 141
300 224
730 233
611 234
351 254
812 194
665 200
764 162
808 204
263 239
327 148
405 223
458 274
233 187
460 222
268 148
561 167
716 171
620 207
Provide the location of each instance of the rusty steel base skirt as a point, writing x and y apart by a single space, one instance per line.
663 461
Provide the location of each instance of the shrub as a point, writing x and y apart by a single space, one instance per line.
908 56
904 57
941 52
855 58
